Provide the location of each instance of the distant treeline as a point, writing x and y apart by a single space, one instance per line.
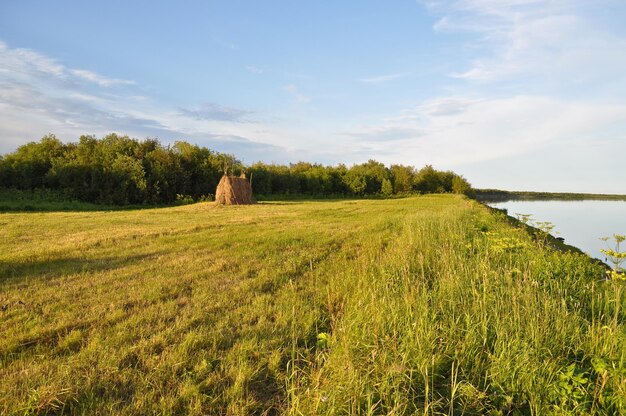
495 195
121 170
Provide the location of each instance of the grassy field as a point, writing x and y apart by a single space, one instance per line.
423 305
40 200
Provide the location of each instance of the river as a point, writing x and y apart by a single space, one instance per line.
580 223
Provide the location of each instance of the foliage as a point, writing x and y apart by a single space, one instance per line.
122 171
429 180
386 189
403 178
115 169
616 256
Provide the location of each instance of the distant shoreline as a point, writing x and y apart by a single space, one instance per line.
497 195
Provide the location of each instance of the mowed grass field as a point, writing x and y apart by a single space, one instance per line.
423 305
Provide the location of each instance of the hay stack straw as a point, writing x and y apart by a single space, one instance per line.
233 190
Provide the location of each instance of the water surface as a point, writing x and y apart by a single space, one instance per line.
581 223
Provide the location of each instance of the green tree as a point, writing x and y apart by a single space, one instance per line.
460 185
403 177
427 180
128 180
119 169
28 166
356 183
387 188
372 173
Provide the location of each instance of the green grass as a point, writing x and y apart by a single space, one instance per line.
39 200
422 305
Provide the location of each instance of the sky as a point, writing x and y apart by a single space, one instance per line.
512 94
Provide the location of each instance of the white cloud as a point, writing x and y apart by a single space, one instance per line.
38 96
216 112
446 106
382 78
551 42
99 79
295 92
19 63
385 133
543 97
456 131
254 69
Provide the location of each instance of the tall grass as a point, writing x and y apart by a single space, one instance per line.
460 313
425 305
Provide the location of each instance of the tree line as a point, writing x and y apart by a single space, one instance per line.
120 170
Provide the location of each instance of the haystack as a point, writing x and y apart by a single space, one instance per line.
233 190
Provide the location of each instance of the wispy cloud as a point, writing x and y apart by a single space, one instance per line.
446 106
382 78
99 79
254 69
39 95
295 92
553 41
14 61
17 63
456 131
216 112
385 133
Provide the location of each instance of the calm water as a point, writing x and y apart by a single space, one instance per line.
581 223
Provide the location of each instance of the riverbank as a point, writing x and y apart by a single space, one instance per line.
497 195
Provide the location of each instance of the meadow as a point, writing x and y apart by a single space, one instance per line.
425 305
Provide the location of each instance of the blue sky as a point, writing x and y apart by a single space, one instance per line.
513 94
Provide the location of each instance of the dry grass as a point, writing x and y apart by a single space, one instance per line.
233 190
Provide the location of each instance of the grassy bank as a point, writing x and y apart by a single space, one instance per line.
422 305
